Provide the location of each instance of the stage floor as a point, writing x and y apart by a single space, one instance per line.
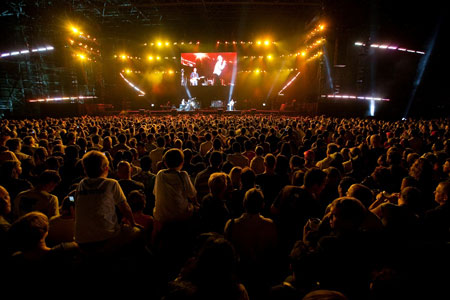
207 112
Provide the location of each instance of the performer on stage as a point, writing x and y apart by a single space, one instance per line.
182 105
194 77
231 104
218 68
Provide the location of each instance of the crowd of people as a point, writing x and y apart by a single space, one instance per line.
229 207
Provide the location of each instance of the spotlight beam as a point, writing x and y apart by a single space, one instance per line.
280 93
421 69
142 93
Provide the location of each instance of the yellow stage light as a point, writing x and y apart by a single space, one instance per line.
257 71
321 27
167 43
128 71
303 53
269 57
258 42
170 71
159 44
81 56
158 58
123 56
150 57
74 30
266 42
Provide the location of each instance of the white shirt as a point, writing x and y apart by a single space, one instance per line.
220 65
172 190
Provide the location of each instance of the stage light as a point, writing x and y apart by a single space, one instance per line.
62 98
269 57
182 43
167 44
303 53
81 56
128 71
159 44
288 84
264 104
150 57
200 56
258 42
355 97
257 71
218 42
321 27
266 42
123 56
374 45
132 85
198 43
74 30
170 71
153 105
158 58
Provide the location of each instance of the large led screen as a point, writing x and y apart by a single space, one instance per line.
208 69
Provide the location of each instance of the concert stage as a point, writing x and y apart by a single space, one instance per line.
337 108
82 109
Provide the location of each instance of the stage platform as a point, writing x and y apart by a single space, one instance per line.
205 112
330 108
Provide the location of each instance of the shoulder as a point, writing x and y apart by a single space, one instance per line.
109 181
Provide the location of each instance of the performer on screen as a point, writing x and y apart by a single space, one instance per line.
194 77
218 68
